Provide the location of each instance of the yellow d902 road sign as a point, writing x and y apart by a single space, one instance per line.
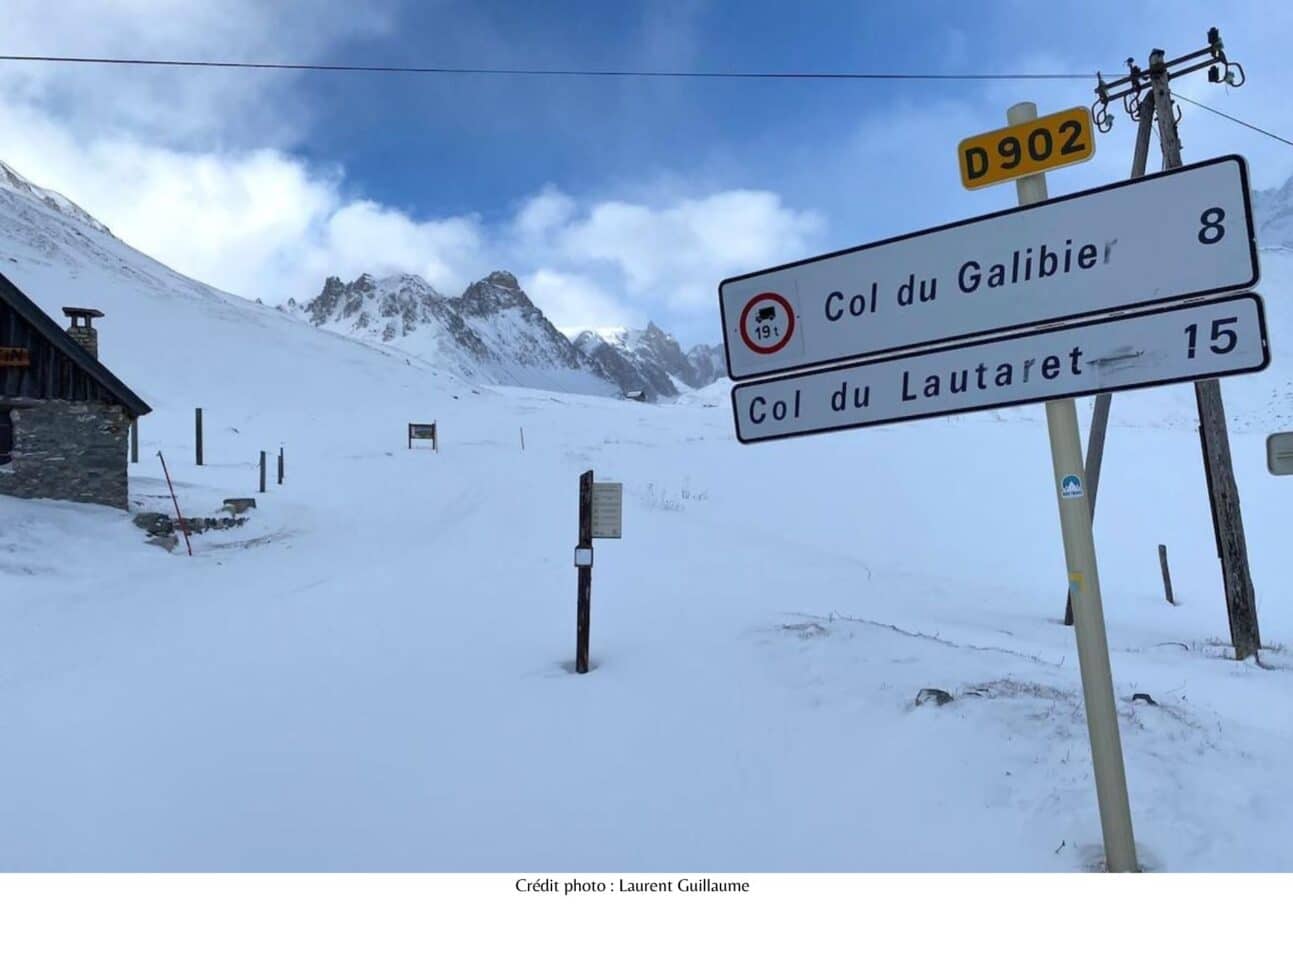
1036 146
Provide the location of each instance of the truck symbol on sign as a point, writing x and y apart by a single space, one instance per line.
766 313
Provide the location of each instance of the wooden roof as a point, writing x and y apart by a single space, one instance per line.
94 369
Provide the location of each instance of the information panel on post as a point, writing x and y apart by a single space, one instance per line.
1046 143
1170 236
608 510
1213 338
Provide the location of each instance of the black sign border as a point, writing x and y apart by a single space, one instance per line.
1261 326
1109 187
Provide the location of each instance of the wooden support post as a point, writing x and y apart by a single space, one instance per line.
1167 575
262 471
134 441
280 465
197 432
1223 492
584 600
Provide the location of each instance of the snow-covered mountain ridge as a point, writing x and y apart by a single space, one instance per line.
1273 213
15 183
494 333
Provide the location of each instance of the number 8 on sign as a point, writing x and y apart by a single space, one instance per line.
767 323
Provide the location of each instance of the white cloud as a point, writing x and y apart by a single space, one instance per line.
542 214
265 224
575 303
176 106
677 253
165 159
363 236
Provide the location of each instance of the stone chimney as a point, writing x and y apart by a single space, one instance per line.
81 329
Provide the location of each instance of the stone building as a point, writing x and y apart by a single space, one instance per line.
65 419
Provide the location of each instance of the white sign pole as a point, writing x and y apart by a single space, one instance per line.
1084 588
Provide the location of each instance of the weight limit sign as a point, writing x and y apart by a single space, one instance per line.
767 323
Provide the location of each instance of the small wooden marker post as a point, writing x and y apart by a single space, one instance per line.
584 563
262 471
523 439
601 507
280 465
197 432
1167 575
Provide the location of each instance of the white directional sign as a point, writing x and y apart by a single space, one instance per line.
1208 339
1171 236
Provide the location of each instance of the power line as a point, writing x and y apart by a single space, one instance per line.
1268 134
542 72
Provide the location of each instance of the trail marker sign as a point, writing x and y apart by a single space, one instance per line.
1167 237
423 432
1208 339
608 510
1279 453
1049 142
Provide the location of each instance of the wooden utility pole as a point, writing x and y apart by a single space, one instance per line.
1223 492
280 465
1100 414
585 592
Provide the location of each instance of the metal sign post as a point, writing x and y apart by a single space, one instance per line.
1084 592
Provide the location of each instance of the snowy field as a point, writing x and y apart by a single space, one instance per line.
373 674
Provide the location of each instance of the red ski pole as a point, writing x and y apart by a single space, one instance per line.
183 525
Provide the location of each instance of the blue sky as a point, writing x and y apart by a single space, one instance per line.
615 201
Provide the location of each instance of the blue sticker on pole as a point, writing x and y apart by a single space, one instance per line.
1071 487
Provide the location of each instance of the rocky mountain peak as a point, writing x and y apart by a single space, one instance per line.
495 330
496 292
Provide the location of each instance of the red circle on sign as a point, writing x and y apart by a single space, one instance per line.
790 323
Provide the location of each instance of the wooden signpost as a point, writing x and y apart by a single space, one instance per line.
601 507
424 432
